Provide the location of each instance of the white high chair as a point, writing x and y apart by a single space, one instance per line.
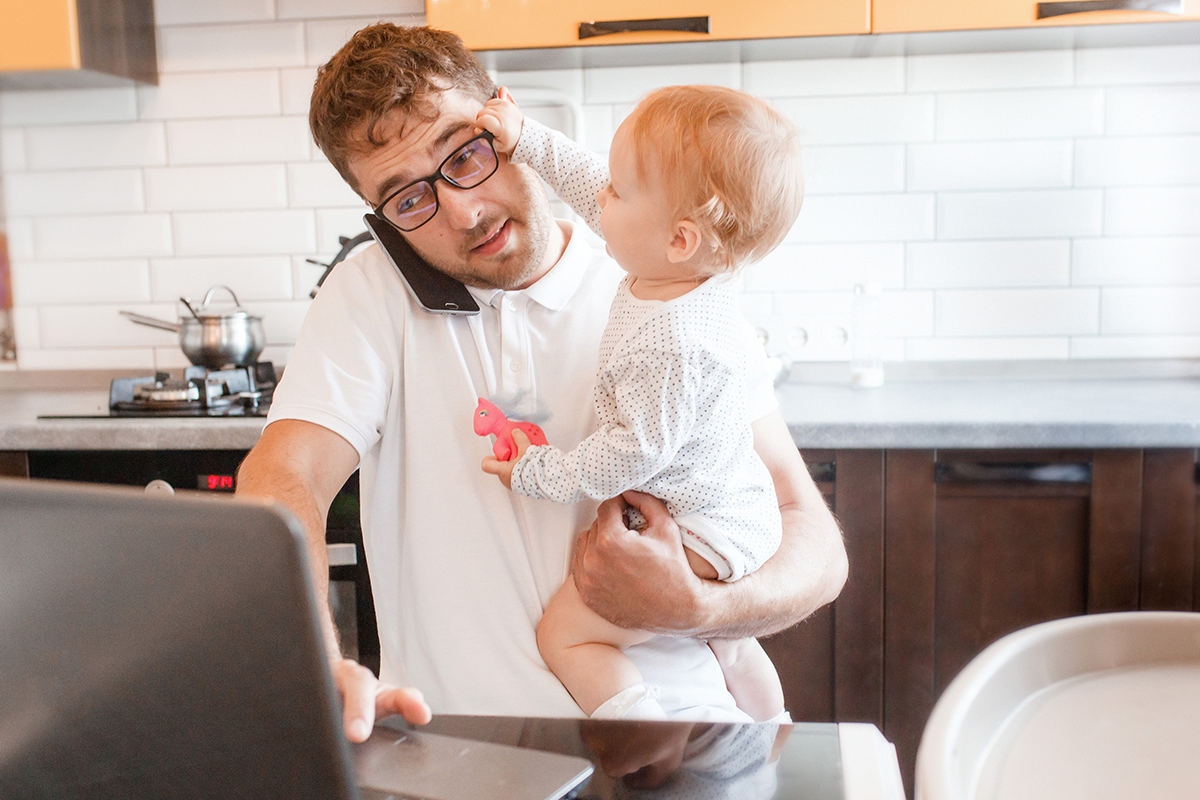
1098 706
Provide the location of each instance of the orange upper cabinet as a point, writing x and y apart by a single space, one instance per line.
942 15
46 43
38 35
507 24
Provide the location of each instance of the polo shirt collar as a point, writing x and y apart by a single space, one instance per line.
556 288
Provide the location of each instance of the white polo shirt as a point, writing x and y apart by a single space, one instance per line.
462 568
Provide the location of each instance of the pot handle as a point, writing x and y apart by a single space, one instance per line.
208 296
152 322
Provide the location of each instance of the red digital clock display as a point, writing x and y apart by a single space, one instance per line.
214 483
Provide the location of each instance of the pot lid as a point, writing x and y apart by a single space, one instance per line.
202 313
234 313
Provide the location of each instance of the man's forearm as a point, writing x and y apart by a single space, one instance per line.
281 468
789 587
807 572
643 580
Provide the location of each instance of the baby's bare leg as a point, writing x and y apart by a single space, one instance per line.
584 650
750 676
749 673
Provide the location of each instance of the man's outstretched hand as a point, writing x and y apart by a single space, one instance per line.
365 699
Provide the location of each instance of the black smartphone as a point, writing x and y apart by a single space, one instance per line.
434 290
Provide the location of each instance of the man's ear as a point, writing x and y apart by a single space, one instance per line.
685 241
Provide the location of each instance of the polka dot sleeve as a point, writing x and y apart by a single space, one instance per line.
575 173
653 411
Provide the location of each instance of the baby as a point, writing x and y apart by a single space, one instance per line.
701 180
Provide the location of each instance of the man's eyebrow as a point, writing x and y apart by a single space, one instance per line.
399 179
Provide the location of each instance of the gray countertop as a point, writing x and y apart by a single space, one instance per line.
995 413
964 413
20 428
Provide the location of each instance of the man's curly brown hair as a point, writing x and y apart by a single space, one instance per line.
383 73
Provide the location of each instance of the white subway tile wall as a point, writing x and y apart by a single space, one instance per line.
259 45
86 146
196 95
1152 110
113 280
978 71
1034 204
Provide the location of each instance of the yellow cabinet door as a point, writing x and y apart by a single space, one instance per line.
942 15
38 34
507 24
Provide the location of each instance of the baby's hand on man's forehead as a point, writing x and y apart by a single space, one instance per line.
503 119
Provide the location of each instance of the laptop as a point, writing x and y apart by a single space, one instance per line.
168 647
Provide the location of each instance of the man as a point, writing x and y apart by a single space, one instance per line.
461 568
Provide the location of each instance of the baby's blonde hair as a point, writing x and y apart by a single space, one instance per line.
728 161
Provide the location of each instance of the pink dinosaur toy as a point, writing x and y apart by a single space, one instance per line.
489 419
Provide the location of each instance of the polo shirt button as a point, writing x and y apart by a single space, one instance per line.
512 306
515 366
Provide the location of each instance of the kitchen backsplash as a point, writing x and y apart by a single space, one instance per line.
1021 205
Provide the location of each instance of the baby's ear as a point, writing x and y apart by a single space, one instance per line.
685 241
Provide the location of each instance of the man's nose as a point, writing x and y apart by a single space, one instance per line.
463 207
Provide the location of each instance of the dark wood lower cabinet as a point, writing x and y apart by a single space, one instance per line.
1007 556
14 464
910 550
808 679
1115 531
833 671
951 550
1168 552
858 640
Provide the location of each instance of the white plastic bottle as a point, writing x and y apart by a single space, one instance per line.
866 336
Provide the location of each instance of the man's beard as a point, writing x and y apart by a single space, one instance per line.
533 219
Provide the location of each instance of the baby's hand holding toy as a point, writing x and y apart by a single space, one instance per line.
504 469
513 438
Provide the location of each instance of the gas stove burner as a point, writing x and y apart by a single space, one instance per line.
166 394
228 392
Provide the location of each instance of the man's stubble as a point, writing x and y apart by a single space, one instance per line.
532 221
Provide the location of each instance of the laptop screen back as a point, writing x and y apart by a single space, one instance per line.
152 648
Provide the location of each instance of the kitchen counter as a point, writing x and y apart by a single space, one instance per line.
964 412
20 428
995 414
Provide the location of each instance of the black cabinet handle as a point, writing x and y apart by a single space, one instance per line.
968 472
1058 9
605 27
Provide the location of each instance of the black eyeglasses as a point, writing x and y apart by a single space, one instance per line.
411 206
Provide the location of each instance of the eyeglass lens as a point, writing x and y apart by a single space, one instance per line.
466 168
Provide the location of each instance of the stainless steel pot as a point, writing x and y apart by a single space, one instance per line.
210 338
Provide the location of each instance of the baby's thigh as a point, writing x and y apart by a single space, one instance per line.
568 622
700 565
